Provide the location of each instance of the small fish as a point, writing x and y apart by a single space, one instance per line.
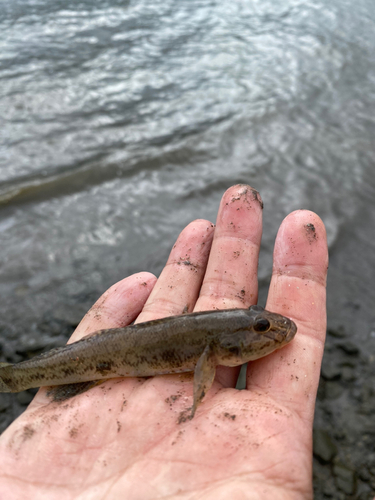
195 342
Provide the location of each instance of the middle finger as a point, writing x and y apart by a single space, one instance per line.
178 285
231 279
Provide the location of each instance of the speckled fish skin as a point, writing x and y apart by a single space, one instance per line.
170 345
192 342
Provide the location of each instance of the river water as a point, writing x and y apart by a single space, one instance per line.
121 121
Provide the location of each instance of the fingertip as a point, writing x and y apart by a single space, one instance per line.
118 306
194 238
180 281
144 278
138 285
240 213
309 222
298 291
298 284
237 191
301 246
307 219
201 223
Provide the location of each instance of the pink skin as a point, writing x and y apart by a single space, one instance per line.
123 440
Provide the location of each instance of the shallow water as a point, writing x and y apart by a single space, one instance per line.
122 121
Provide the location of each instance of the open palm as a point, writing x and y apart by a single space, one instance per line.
123 439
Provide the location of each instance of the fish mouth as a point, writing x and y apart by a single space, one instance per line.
283 332
292 330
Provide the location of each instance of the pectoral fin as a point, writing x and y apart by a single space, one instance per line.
204 375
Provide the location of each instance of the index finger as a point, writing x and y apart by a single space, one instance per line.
297 290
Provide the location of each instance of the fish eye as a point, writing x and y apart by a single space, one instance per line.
261 325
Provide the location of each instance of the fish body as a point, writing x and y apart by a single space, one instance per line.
192 342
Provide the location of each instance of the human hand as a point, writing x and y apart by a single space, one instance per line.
122 439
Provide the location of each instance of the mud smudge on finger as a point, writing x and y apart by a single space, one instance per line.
311 232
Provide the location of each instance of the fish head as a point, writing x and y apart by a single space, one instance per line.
259 333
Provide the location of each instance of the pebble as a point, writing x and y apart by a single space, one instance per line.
4 402
345 478
338 333
324 448
330 371
366 495
333 390
24 398
349 347
348 374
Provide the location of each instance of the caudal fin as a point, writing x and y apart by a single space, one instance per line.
3 370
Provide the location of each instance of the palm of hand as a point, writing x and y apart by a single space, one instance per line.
123 439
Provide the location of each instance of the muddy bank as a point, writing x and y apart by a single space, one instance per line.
344 432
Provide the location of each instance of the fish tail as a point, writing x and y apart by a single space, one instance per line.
4 370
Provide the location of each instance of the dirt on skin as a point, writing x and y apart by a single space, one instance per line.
344 431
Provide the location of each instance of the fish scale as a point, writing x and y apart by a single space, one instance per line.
192 342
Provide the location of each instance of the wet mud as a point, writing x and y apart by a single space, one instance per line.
344 433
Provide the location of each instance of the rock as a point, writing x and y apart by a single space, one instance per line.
339 434
345 478
338 333
371 459
348 374
329 490
330 371
324 448
5 420
349 347
321 390
365 495
4 402
24 398
333 390
364 474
